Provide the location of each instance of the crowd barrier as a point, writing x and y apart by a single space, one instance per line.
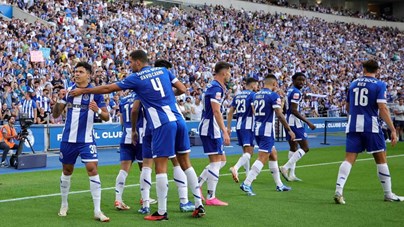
48 137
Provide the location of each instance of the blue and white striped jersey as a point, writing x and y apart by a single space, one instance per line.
44 102
293 96
154 89
209 126
363 96
242 103
125 108
265 101
28 107
80 119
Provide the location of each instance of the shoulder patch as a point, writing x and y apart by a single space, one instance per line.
296 96
218 95
278 101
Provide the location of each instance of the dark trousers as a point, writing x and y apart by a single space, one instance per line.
386 133
6 148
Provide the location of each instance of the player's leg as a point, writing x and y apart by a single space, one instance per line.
145 182
183 149
301 138
256 168
377 147
163 143
273 167
246 140
89 157
68 156
354 146
127 156
180 180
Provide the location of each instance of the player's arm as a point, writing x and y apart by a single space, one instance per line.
301 117
385 115
134 117
101 111
60 104
219 119
104 89
347 107
282 119
230 118
180 88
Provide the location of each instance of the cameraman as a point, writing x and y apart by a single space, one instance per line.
7 136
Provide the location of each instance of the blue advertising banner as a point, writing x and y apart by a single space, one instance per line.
105 134
334 124
6 10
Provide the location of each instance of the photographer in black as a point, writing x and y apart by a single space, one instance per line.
7 136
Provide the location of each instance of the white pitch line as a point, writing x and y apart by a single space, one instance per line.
134 185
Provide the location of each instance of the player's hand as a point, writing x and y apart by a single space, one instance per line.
135 137
393 139
76 92
62 93
292 135
226 138
312 127
229 131
93 106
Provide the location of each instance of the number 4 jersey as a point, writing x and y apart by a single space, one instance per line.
154 89
364 95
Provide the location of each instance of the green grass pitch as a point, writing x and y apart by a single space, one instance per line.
310 203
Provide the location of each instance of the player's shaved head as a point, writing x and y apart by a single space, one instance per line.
270 78
139 55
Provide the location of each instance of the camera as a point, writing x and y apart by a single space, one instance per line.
25 123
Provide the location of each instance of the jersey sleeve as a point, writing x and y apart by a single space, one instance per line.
296 96
276 100
381 93
216 94
99 99
173 79
128 83
233 102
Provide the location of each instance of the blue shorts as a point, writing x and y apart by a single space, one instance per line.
163 140
182 143
147 145
212 146
265 143
300 133
357 142
245 138
130 152
70 151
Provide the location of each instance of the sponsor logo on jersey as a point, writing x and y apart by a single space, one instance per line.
218 95
296 96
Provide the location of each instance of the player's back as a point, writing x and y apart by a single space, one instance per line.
154 88
265 101
125 108
244 113
364 95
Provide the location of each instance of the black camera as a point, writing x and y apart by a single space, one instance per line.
25 123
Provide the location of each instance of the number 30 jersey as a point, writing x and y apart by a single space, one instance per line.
363 96
242 103
265 102
154 89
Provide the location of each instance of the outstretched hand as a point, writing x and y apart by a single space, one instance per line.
76 92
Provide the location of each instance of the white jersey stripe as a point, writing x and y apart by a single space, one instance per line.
239 121
268 129
248 124
375 125
216 129
205 127
360 123
170 114
89 123
154 117
348 125
75 115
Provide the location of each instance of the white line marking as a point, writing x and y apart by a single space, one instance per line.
135 185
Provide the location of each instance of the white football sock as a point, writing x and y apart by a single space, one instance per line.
95 188
254 172
145 185
273 167
120 184
295 158
343 174
162 191
384 176
180 180
292 166
213 179
64 188
193 184
204 176
242 161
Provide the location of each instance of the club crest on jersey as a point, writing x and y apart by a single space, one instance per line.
86 97
296 96
218 95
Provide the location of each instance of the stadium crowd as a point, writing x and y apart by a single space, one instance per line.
104 32
330 10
